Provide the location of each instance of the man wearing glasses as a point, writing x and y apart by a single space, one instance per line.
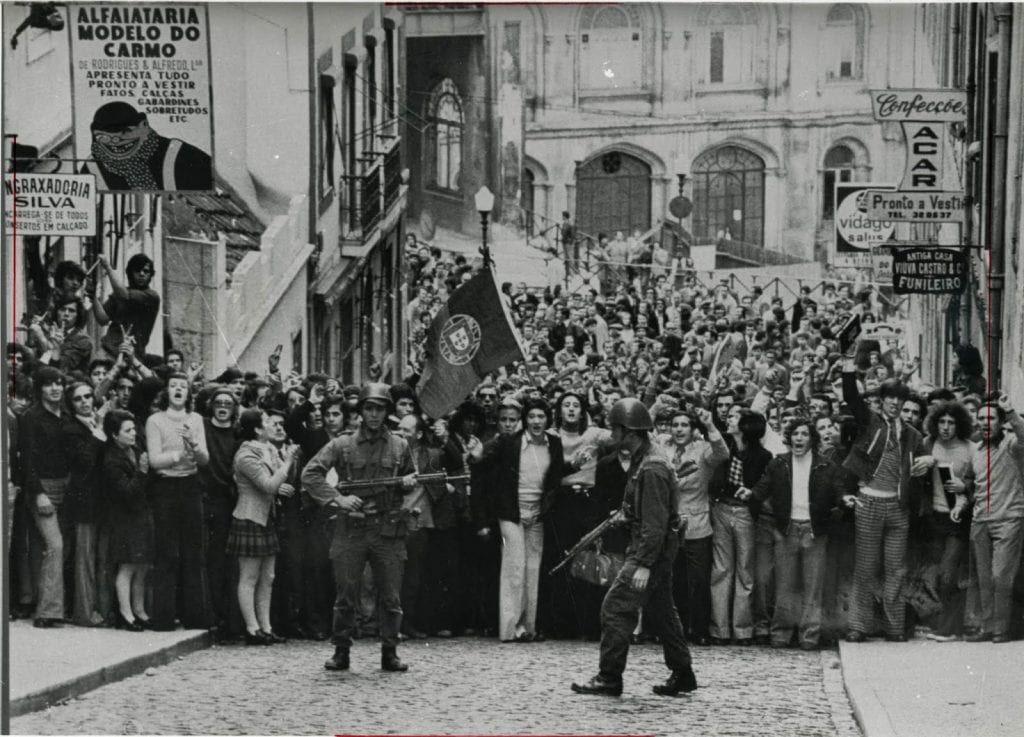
131 310
885 455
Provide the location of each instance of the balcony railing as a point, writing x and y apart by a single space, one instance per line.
392 176
371 198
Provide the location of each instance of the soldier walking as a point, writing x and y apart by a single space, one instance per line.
371 525
645 580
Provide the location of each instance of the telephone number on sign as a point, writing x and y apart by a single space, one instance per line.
918 215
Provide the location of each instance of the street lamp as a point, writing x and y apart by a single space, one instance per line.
484 204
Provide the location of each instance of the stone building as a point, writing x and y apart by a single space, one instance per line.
602 109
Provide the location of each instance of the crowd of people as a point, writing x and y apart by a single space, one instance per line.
810 473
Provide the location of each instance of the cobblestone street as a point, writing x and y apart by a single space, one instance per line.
460 686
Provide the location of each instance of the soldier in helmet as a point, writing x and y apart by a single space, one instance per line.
645 580
371 525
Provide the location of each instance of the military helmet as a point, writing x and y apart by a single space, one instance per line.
377 391
631 414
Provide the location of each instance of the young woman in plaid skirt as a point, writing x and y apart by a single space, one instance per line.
260 473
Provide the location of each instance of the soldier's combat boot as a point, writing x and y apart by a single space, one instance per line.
681 681
340 659
390 661
599 686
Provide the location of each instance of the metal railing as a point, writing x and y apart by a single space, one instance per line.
370 198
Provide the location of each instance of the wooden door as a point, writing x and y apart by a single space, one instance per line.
613 192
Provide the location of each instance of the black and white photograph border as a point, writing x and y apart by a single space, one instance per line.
237 231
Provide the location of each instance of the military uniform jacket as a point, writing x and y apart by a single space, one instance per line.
650 507
356 457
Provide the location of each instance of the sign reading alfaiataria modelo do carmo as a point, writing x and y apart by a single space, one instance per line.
142 102
929 270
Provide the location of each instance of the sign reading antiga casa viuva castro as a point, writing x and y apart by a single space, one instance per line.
929 270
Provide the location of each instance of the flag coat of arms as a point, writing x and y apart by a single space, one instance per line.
470 336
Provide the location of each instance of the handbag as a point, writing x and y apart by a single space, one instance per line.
597 567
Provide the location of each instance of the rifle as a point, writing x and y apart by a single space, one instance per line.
350 486
423 478
614 519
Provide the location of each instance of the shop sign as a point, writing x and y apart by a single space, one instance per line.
50 204
855 232
929 270
919 105
913 207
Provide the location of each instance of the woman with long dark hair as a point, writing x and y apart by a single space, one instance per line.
574 606
176 443
124 480
948 445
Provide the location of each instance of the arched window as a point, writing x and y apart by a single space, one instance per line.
728 196
839 166
730 41
844 42
611 48
443 150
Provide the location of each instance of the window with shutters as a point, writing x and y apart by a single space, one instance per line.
843 41
839 167
611 52
325 135
729 44
728 196
443 150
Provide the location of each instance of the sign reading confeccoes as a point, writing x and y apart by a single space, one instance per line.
142 103
924 105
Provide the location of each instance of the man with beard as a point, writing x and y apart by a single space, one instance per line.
129 155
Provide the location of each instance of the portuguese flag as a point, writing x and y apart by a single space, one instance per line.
470 336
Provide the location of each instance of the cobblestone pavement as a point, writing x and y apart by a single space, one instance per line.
460 686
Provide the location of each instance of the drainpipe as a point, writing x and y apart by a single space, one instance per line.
997 263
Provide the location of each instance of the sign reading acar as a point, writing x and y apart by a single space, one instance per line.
856 233
50 204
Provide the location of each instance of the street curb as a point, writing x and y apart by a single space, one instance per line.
46 697
868 711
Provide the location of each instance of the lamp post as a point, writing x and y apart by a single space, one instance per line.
484 204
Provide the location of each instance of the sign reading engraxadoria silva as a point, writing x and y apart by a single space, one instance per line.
50 204
856 233
929 270
142 106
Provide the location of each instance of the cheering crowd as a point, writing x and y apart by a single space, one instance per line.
824 488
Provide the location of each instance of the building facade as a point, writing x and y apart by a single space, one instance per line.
600 109
359 190
979 48
298 244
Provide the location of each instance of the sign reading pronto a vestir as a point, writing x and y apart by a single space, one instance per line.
913 207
